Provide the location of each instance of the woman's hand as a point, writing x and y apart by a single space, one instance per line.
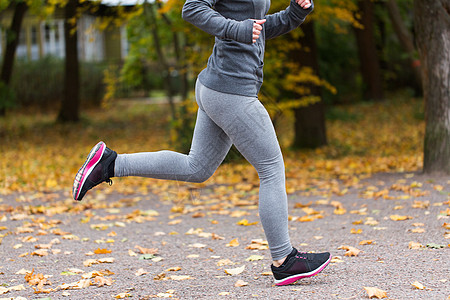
305 4
257 28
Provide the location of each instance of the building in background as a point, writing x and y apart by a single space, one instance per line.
40 38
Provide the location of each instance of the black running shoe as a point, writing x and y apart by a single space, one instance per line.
300 265
94 171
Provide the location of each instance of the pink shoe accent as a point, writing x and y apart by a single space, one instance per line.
91 165
294 278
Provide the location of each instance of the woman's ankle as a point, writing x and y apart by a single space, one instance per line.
278 263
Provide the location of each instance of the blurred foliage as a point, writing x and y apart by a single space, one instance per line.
40 83
364 138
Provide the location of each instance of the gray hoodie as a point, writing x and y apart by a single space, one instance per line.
236 64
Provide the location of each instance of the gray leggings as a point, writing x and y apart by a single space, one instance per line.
223 120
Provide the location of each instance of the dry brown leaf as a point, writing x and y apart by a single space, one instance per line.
173 269
40 252
233 243
375 292
235 271
146 250
217 237
43 246
101 281
446 225
240 283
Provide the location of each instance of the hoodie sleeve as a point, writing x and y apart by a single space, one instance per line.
284 21
201 14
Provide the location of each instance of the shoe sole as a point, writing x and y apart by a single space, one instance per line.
92 160
294 278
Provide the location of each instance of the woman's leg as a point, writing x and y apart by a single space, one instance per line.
247 123
209 148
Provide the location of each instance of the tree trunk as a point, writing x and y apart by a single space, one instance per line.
70 106
432 27
406 40
310 131
369 63
12 40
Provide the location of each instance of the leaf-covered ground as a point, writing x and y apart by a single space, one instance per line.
362 198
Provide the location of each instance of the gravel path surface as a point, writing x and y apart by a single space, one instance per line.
120 222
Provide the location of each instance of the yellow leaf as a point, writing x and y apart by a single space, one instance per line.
233 243
173 269
102 251
255 257
418 285
399 218
41 252
235 271
351 251
122 295
354 231
359 222
418 230
375 292
245 222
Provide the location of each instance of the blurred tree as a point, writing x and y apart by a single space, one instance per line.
309 125
12 40
70 104
367 50
405 39
432 26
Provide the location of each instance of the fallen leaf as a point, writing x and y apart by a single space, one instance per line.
240 283
224 262
132 253
235 271
140 272
418 230
122 295
435 246
375 292
351 251
233 243
197 245
366 242
255 257
414 245
173 269
146 250
102 251
180 277
101 281
22 271
223 293
245 222
399 218
40 252
354 231
446 225
418 285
